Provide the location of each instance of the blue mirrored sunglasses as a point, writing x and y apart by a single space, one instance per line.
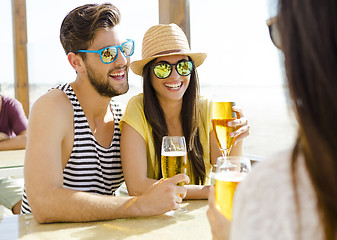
110 54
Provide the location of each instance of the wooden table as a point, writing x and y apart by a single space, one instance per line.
190 225
11 163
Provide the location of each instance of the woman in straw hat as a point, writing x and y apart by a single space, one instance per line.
170 105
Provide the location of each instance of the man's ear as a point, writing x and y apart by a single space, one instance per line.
76 62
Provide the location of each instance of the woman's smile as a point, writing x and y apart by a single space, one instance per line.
174 86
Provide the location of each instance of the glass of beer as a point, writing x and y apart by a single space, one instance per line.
229 173
222 113
173 160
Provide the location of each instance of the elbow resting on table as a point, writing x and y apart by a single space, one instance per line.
41 219
44 206
42 213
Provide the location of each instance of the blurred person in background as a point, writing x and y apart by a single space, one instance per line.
13 124
13 136
294 194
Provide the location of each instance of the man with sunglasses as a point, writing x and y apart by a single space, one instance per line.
72 164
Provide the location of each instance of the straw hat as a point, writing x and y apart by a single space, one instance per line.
165 40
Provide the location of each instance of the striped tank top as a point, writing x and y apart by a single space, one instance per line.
91 167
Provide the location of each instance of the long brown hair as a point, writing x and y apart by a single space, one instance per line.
309 42
190 114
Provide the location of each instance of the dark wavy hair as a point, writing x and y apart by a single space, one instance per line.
309 41
79 27
190 114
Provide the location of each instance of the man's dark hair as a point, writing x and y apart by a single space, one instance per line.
79 27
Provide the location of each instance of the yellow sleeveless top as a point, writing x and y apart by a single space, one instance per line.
135 117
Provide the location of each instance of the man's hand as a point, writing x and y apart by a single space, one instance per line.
163 196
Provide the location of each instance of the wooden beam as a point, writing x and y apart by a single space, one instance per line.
176 11
20 53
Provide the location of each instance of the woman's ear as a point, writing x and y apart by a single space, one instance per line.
76 62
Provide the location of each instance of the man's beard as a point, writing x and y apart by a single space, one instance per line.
104 88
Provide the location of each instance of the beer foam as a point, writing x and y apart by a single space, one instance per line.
174 154
230 176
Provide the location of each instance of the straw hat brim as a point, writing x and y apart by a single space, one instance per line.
137 66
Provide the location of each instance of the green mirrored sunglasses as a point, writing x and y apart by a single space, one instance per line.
164 69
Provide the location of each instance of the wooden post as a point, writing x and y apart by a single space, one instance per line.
20 53
176 11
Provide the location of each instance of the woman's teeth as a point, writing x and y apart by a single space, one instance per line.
174 86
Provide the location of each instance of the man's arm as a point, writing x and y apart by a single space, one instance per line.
3 136
15 143
17 117
50 122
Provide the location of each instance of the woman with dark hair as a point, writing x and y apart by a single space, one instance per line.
170 105
294 195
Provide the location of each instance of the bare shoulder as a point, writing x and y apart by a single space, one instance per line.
53 102
51 111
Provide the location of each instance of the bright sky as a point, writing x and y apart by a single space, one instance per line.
233 33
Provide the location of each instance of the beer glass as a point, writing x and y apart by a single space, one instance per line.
222 113
173 160
229 173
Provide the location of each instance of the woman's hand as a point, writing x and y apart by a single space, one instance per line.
241 124
220 225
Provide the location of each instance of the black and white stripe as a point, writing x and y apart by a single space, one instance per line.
91 167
